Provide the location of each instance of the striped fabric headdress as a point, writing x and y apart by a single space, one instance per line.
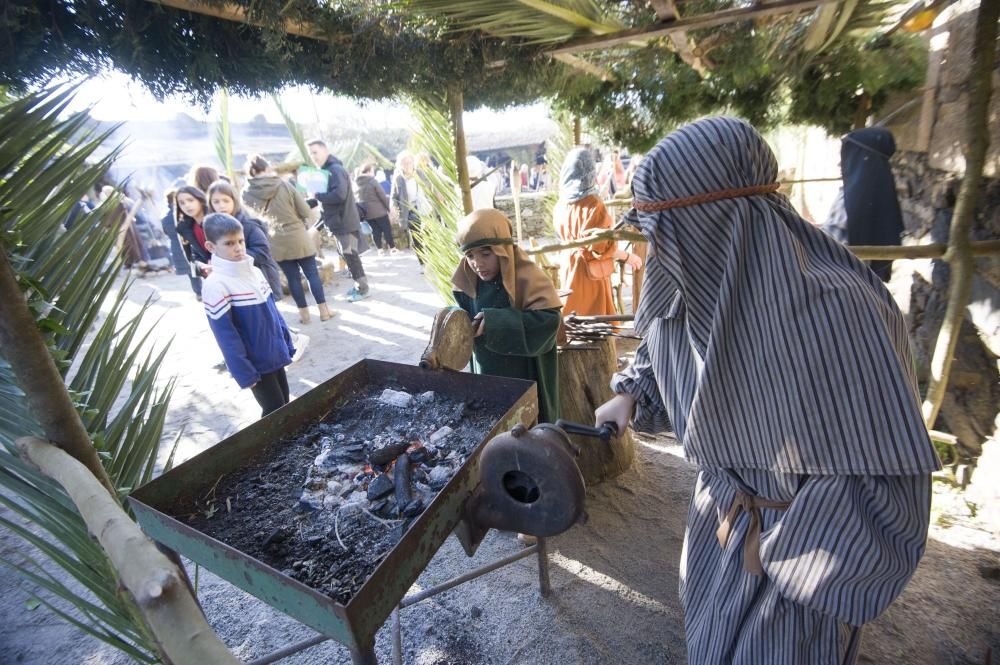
773 346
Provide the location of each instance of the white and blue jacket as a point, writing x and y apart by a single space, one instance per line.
241 312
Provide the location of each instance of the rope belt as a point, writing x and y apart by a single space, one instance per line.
708 197
744 502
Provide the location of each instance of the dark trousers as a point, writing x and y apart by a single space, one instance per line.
308 266
381 228
414 224
271 392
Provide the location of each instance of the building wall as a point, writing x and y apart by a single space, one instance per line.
928 166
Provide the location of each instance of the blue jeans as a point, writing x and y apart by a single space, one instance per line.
309 268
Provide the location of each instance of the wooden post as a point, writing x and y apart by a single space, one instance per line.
455 106
639 249
25 349
584 378
515 192
977 139
577 130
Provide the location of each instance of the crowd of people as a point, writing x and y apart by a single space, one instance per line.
753 364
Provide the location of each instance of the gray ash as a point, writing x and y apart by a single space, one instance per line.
328 503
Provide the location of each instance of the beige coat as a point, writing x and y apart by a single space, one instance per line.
287 215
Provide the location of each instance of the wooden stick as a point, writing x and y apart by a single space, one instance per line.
977 139
686 24
156 585
455 106
977 248
238 14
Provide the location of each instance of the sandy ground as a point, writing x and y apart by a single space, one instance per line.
614 579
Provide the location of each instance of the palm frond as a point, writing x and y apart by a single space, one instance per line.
224 137
534 21
67 276
293 129
433 135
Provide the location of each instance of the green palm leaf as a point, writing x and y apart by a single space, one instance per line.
46 165
433 135
293 129
224 137
534 21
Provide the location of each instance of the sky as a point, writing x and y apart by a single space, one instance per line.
117 97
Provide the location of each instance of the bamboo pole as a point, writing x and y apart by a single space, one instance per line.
455 106
156 585
977 139
25 349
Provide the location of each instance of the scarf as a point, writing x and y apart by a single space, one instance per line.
773 346
525 283
578 177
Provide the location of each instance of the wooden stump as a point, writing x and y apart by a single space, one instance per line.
584 375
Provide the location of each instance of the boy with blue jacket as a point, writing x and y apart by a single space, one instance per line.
253 337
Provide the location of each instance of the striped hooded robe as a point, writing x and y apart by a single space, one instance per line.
783 366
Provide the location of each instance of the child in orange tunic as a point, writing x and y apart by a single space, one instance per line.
579 212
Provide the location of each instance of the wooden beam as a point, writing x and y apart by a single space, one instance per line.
583 65
237 14
666 10
684 24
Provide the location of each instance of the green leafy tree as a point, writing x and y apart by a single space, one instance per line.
110 367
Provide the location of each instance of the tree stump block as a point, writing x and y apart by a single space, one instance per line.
584 375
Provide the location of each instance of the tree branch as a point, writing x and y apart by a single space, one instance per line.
156 585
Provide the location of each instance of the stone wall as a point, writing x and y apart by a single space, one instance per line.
927 197
928 169
535 221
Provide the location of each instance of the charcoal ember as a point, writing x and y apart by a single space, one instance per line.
419 455
420 475
476 612
307 505
440 435
439 477
331 501
277 536
403 478
334 455
383 508
397 398
426 397
413 508
386 454
380 487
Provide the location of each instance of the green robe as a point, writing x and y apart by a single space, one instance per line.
517 344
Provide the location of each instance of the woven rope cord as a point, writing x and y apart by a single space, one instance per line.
708 197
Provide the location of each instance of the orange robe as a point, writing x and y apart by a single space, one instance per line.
589 297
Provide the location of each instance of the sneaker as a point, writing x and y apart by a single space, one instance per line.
353 291
300 342
381 252
393 251
356 296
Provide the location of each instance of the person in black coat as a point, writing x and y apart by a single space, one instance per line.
340 214
867 204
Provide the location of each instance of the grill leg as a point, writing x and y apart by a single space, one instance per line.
364 656
543 568
397 639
